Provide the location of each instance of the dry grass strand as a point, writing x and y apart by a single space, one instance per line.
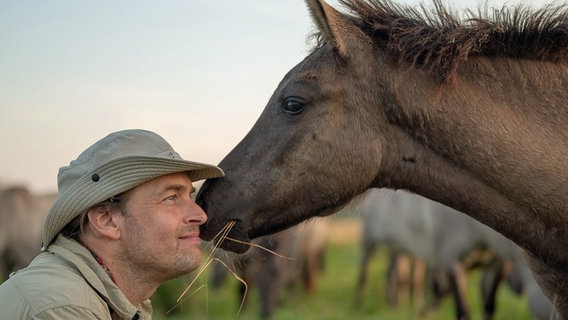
221 236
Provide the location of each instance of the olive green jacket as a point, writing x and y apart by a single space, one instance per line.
66 282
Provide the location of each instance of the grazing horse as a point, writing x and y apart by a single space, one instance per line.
447 241
521 281
471 112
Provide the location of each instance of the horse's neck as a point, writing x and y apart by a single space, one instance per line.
438 178
526 88
503 130
476 145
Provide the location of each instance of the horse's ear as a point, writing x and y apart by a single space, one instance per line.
337 29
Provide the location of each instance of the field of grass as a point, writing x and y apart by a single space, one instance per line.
333 299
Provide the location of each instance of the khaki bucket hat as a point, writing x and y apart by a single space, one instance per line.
117 163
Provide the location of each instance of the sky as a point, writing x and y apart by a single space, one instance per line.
197 72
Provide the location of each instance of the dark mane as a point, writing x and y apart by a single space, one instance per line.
438 40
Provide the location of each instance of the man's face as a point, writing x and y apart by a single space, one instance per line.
160 228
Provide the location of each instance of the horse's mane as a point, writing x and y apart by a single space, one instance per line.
439 40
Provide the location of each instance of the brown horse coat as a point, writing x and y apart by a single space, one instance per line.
470 113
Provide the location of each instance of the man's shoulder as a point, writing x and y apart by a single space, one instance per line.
49 283
48 272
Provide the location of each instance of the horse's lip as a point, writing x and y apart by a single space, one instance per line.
205 235
237 240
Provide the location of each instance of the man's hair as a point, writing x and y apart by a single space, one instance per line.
76 228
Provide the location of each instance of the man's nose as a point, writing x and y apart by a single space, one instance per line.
194 214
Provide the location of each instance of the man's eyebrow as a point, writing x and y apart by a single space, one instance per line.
180 188
176 188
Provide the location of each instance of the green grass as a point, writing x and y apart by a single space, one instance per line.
333 300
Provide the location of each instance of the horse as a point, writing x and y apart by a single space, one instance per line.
521 281
21 219
470 112
449 243
406 230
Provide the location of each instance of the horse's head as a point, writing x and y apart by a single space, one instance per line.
302 157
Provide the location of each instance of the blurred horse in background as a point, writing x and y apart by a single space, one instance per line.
521 281
450 244
299 261
21 221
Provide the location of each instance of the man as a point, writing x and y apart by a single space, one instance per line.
123 224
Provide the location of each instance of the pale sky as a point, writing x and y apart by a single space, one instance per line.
197 72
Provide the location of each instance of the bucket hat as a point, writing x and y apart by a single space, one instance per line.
119 162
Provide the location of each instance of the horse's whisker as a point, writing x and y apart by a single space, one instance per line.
241 280
189 296
224 231
553 307
222 234
260 247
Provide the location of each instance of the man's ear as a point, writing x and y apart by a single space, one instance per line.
103 222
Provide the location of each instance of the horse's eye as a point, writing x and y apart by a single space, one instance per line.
293 106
